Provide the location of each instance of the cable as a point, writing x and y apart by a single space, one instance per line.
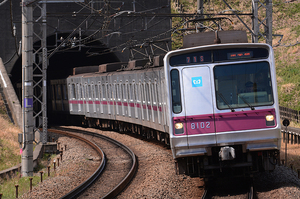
3 2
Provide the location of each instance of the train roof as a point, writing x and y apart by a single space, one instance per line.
124 67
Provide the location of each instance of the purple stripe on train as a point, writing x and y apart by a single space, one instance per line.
224 122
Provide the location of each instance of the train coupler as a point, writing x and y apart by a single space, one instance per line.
227 153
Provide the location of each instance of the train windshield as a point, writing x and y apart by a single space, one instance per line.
243 85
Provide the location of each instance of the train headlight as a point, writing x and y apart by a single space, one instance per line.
270 120
179 128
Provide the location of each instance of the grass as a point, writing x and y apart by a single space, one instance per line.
9 146
8 188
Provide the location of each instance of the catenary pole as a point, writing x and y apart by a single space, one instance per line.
27 89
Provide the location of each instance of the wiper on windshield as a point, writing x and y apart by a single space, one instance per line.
223 98
240 96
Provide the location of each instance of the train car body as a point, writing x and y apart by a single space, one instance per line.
223 107
134 98
216 106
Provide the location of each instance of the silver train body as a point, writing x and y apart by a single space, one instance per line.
126 100
196 103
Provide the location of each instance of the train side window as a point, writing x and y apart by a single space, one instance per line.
82 87
89 92
65 96
132 89
117 92
123 92
126 92
103 91
153 93
96 91
157 93
73 91
92 93
114 92
175 91
142 93
147 93
130 92
86 90
78 91
82 91
136 95
58 92
108 91
100 90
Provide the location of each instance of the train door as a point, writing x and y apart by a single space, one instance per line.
152 101
118 103
135 100
147 100
100 97
198 105
93 96
72 95
97 99
129 102
127 98
114 98
104 98
108 91
86 98
79 97
123 98
159 104
142 99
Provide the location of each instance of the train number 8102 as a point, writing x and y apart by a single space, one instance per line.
201 125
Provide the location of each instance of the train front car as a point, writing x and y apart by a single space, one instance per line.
223 106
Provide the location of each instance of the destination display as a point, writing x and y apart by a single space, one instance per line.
240 55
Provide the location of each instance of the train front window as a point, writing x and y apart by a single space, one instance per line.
243 85
175 91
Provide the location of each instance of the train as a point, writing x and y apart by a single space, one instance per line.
215 106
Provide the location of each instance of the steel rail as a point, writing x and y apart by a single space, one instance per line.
79 189
251 192
205 194
126 180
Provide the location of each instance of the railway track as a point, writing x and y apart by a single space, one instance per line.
113 174
229 189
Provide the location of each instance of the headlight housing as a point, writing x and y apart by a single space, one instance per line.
179 128
270 120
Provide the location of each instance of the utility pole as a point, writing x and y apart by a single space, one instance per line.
27 89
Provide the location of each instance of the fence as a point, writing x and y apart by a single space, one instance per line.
288 113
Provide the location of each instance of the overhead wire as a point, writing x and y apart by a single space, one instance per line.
3 2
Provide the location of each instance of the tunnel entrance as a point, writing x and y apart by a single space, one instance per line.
61 64
72 54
